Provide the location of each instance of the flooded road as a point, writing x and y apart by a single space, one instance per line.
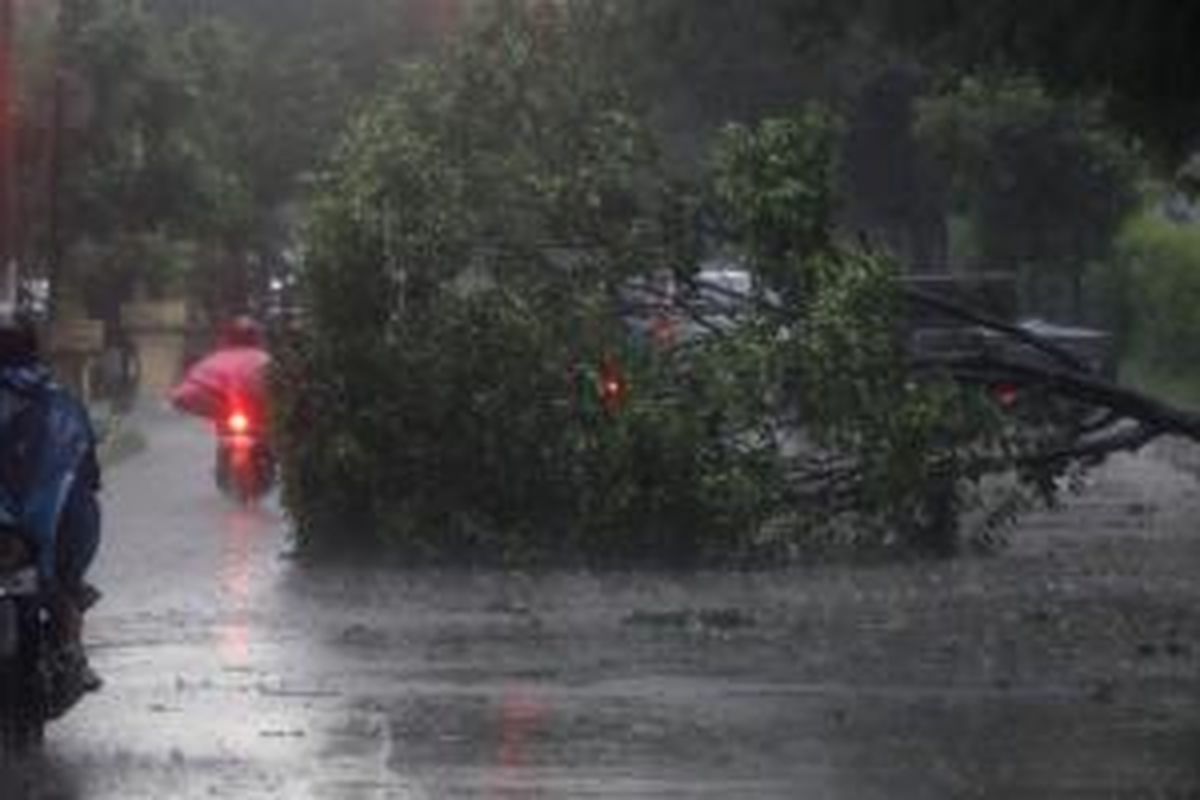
1067 667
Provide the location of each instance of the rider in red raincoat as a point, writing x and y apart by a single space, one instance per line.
232 377
229 387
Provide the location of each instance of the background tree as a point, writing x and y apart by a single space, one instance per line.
273 84
1043 184
894 190
1140 56
132 180
183 147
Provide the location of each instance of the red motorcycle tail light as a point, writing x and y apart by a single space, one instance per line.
238 422
1006 394
614 389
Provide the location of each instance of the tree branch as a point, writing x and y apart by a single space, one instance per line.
964 314
1085 388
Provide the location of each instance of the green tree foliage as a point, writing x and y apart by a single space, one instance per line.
775 187
908 451
130 167
130 164
1153 284
465 264
213 64
705 63
234 223
467 259
1141 55
304 66
272 84
178 146
1045 182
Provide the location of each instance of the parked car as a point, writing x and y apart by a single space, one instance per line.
664 310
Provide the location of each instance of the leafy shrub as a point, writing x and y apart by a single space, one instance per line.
1157 273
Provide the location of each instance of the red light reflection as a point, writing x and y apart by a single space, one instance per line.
237 583
521 718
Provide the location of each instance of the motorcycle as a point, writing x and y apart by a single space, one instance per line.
227 388
38 681
245 464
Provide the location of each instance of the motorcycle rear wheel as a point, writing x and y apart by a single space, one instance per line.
22 712
248 480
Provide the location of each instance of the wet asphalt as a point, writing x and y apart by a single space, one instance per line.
1067 666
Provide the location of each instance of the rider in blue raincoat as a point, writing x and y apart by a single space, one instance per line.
49 479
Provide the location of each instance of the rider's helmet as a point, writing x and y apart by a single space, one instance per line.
242 331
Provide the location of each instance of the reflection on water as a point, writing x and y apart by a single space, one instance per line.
242 538
522 717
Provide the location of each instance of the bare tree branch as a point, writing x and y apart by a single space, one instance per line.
988 322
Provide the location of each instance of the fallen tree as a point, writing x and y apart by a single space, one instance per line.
468 387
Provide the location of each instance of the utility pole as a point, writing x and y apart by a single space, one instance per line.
54 215
8 164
